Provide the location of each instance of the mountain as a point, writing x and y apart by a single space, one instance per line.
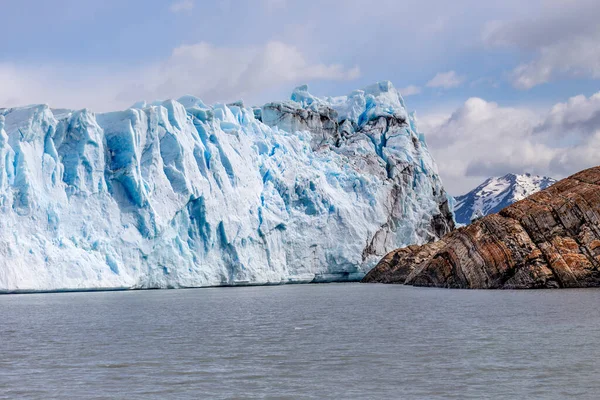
551 239
181 194
497 193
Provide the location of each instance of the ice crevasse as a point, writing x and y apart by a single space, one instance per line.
181 194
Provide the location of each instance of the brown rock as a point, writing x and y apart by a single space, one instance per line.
550 239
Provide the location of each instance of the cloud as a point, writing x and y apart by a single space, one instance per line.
482 139
577 58
549 23
564 39
181 6
577 118
446 80
211 72
410 90
221 72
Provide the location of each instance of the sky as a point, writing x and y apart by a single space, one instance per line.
501 88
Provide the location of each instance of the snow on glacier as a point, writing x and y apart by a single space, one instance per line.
181 194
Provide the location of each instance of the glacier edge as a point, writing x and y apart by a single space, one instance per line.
181 194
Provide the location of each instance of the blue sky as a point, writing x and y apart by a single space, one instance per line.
490 82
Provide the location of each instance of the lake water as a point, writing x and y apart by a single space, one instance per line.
336 341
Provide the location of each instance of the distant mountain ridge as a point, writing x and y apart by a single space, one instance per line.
497 193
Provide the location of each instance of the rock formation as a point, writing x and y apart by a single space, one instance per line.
548 240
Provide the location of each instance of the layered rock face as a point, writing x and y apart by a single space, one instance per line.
181 194
548 240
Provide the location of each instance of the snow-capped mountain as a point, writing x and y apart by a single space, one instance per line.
181 194
496 193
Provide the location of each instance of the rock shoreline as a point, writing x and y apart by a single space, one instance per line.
548 240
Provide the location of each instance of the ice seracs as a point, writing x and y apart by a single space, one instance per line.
497 193
181 194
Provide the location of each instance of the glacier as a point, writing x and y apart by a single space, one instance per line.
181 194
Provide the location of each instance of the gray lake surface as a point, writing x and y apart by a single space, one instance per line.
327 341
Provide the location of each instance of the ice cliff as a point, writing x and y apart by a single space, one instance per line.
181 194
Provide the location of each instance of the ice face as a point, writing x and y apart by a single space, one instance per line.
181 194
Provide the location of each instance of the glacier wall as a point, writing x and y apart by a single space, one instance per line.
181 194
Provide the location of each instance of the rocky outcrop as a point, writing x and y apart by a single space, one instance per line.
548 240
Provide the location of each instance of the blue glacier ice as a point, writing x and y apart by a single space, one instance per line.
181 194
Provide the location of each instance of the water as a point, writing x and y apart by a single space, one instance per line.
301 341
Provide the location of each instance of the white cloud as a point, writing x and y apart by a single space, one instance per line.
562 41
224 73
210 72
410 90
577 118
181 6
576 57
446 80
482 139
